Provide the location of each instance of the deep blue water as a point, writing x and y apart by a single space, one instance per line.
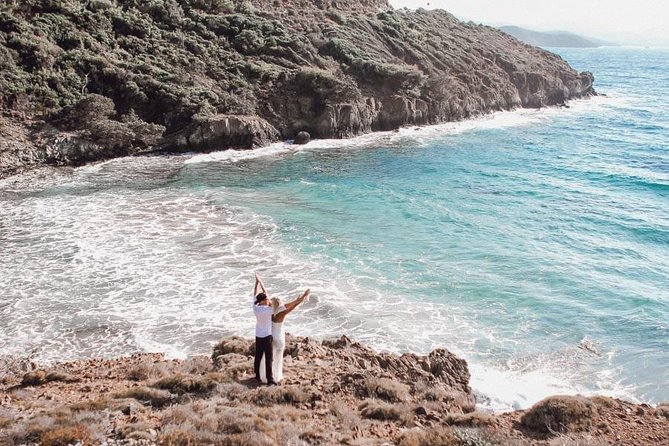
533 243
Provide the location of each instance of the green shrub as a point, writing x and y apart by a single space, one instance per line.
342 51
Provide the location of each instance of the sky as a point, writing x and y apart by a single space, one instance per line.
628 22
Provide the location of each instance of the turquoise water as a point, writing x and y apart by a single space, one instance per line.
533 243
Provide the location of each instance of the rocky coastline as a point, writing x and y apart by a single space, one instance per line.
82 81
334 392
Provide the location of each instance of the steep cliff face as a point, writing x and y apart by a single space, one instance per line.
121 76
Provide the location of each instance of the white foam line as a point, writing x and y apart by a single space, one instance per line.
501 119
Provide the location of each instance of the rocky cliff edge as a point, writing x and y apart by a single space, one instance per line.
88 80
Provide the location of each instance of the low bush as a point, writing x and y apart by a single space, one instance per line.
378 410
198 365
181 384
436 436
173 436
232 391
268 396
386 389
64 436
345 415
147 396
248 439
136 431
235 344
561 414
236 421
139 372
663 410
39 377
472 419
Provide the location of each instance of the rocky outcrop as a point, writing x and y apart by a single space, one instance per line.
333 392
222 132
354 363
239 74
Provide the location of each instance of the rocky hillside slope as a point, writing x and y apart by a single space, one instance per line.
82 80
334 393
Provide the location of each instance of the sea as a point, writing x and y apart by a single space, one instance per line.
532 243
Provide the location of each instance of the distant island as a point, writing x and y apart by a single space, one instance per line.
556 39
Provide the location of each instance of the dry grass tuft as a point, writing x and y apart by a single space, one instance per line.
27 432
561 414
178 437
234 421
64 436
235 344
181 384
347 418
35 378
472 419
137 431
97 404
39 377
140 371
378 410
232 391
178 414
605 401
234 369
386 389
663 410
437 436
248 439
268 396
198 365
147 396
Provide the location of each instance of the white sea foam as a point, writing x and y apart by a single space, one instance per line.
166 272
420 135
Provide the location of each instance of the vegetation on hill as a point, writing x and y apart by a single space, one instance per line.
88 79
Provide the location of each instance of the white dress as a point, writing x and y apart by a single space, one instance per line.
278 346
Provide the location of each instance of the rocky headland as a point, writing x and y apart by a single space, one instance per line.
83 80
334 392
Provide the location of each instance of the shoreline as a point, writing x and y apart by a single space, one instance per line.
287 146
351 392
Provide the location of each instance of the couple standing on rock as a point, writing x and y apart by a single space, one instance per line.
270 336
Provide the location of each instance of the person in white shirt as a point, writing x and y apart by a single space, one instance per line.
262 308
270 335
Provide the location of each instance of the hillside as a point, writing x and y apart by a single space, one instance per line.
557 39
82 80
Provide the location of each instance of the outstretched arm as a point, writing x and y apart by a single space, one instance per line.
290 306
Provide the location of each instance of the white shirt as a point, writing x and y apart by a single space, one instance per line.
263 320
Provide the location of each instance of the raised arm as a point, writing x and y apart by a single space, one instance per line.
257 284
290 306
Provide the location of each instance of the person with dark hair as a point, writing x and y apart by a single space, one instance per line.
270 335
262 309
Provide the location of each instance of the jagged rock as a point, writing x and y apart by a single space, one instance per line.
222 132
302 138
